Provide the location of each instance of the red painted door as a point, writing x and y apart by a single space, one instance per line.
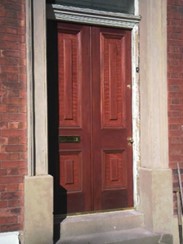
94 77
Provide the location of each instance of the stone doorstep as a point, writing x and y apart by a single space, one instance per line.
132 236
117 227
87 224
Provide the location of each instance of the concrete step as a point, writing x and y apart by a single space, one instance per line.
88 224
132 236
118 227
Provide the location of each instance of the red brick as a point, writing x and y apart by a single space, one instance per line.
3 172
23 155
16 125
15 148
13 117
11 180
175 85
2 11
3 156
12 132
11 227
3 108
15 203
21 187
14 171
11 37
14 53
15 211
9 45
12 187
8 220
2 188
23 171
3 204
9 68
10 196
9 30
3 140
14 140
13 164
13 156
12 109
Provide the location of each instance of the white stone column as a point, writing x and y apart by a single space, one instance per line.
156 197
153 84
40 87
38 193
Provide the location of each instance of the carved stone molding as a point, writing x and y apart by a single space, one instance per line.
90 16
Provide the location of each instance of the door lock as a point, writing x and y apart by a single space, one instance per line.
130 140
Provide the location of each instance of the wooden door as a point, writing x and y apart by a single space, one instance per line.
94 77
112 122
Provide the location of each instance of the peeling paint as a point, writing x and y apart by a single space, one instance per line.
135 111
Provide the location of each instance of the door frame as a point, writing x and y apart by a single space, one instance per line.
118 20
149 169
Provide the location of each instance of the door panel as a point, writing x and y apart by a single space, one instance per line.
70 171
114 173
95 106
74 115
112 159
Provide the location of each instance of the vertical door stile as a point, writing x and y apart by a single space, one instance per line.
96 110
92 174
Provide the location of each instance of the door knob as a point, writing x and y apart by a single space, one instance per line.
130 140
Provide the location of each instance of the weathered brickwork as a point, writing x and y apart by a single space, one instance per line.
175 85
13 159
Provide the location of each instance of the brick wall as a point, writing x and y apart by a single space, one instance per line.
175 85
13 163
